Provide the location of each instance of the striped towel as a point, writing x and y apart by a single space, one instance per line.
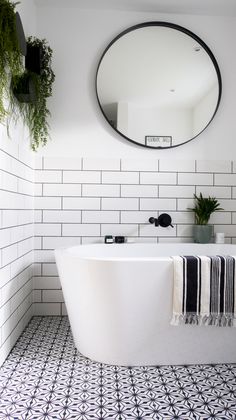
204 290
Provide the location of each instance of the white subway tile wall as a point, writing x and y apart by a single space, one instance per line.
16 242
81 201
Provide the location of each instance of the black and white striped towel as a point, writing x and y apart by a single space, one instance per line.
204 290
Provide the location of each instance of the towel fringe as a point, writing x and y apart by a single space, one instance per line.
216 320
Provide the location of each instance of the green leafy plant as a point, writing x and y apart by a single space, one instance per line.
10 56
204 207
36 113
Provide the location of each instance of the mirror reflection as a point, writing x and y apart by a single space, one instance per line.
158 85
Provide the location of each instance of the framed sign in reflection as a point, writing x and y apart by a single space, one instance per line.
158 141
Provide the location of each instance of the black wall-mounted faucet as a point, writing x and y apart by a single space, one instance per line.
164 220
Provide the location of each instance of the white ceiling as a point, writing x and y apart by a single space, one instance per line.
198 7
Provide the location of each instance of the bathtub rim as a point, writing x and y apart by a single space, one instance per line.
68 251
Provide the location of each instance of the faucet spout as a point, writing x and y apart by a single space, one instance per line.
153 220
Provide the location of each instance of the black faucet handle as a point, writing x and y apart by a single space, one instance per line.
164 220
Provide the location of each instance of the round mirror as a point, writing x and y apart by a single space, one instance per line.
158 85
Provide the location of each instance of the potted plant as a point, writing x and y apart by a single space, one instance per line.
204 207
32 90
12 43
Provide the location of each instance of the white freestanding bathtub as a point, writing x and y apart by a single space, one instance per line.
119 303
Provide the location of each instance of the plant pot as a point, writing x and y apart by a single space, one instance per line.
202 234
33 59
24 89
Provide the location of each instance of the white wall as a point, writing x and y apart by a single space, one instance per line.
19 133
27 11
159 122
78 38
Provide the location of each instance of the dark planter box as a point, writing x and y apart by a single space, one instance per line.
33 59
24 90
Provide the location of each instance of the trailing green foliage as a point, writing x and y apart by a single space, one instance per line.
204 207
35 114
10 56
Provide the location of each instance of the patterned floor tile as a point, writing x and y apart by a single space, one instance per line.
45 378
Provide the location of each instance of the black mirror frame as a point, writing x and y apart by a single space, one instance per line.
187 32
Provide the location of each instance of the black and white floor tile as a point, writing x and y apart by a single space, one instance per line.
45 378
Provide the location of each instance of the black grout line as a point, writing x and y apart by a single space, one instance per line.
19 319
16 243
29 280
17 159
20 272
18 209
16 192
17 226
18 177
16 259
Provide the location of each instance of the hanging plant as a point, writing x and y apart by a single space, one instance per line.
33 88
10 50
